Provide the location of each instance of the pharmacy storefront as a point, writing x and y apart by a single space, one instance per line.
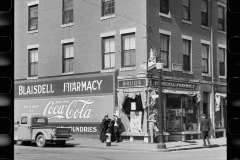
79 102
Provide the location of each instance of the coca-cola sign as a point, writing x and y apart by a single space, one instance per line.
67 109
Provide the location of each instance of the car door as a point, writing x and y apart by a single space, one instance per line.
23 130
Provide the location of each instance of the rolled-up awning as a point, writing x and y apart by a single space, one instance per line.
190 93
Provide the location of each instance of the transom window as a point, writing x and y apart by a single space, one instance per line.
109 52
164 50
33 18
68 55
204 12
67 11
186 9
186 55
164 6
205 58
108 7
222 62
33 62
129 52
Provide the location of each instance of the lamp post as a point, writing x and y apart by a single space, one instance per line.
161 144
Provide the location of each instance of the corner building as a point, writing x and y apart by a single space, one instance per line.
76 61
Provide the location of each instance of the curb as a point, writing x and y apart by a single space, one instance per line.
151 150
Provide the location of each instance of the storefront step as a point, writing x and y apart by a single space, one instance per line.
183 136
142 137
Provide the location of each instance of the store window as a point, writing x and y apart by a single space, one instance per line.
220 113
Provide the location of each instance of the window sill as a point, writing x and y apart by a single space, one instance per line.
223 32
222 77
107 17
206 75
30 78
167 69
186 21
165 15
107 70
127 68
31 32
68 73
188 72
67 25
205 27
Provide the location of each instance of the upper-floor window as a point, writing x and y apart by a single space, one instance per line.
164 50
186 9
108 52
164 6
222 62
33 63
68 55
221 18
205 58
186 55
204 12
129 50
67 11
108 7
33 18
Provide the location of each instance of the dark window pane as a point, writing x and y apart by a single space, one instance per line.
164 6
108 7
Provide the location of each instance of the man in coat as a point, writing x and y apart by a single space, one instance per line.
205 128
117 127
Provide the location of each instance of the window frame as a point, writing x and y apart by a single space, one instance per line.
131 50
63 58
167 33
103 14
66 11
32 50
165 9
189 39
30 19
223 6
187 8
206 24
103 53
208 58
223 47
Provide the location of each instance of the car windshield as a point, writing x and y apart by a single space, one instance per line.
39 120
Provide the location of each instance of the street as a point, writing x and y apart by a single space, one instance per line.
70 152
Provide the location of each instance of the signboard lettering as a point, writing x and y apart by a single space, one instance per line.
175 84
132 83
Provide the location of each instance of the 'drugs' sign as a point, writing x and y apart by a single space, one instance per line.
70 109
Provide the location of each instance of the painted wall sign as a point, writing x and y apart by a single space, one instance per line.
69 109
175 84
90 85
132 83
80 128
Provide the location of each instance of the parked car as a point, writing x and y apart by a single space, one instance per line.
36 128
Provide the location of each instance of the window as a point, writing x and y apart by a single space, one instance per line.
164 50
204 12
205 103
186 55
68 54
221 18
33 18
164 6
129 52
186 9
108 7
67 11
221 62
24 120
205 58
109 52
33 62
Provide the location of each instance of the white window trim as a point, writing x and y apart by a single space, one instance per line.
223 46
67 41
222 4
108 16
165 15
190 39
67 25
34 77
129 30
32 3
68 73
223 32
209 58
108 34
186 21
33 46
108 70
33 31
205 27
128 68
161 31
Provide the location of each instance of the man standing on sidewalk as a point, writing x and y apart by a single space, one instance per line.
117 127
205 128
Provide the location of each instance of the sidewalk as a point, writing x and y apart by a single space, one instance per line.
137 146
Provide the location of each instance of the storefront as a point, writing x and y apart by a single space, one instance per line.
79 102
136 100
220 111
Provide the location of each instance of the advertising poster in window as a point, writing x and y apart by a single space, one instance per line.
135 121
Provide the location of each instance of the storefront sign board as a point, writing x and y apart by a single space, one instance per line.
132 83
175 84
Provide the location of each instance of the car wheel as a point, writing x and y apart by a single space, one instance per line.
61 143
40 141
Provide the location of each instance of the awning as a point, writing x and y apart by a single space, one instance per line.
190 93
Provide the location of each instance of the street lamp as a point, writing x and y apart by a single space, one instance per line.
161 144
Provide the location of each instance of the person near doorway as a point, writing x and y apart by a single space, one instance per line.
152 120
104 126
117 127
205 128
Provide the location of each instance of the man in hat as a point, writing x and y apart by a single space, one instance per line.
117 127
152 120
205 128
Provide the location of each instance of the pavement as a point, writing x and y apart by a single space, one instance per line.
140 146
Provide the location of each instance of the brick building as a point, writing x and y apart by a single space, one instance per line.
76 61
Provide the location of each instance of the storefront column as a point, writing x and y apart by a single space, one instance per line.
212 99
145 120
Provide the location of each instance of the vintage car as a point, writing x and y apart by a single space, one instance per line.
36 128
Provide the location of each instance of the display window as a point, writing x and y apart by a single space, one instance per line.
219 113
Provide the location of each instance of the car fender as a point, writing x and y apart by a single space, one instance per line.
48 133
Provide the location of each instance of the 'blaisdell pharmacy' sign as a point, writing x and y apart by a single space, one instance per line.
90 85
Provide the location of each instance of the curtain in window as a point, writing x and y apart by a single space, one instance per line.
164 49
68 58
129 50
33 17
67 11
33 63
109 52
